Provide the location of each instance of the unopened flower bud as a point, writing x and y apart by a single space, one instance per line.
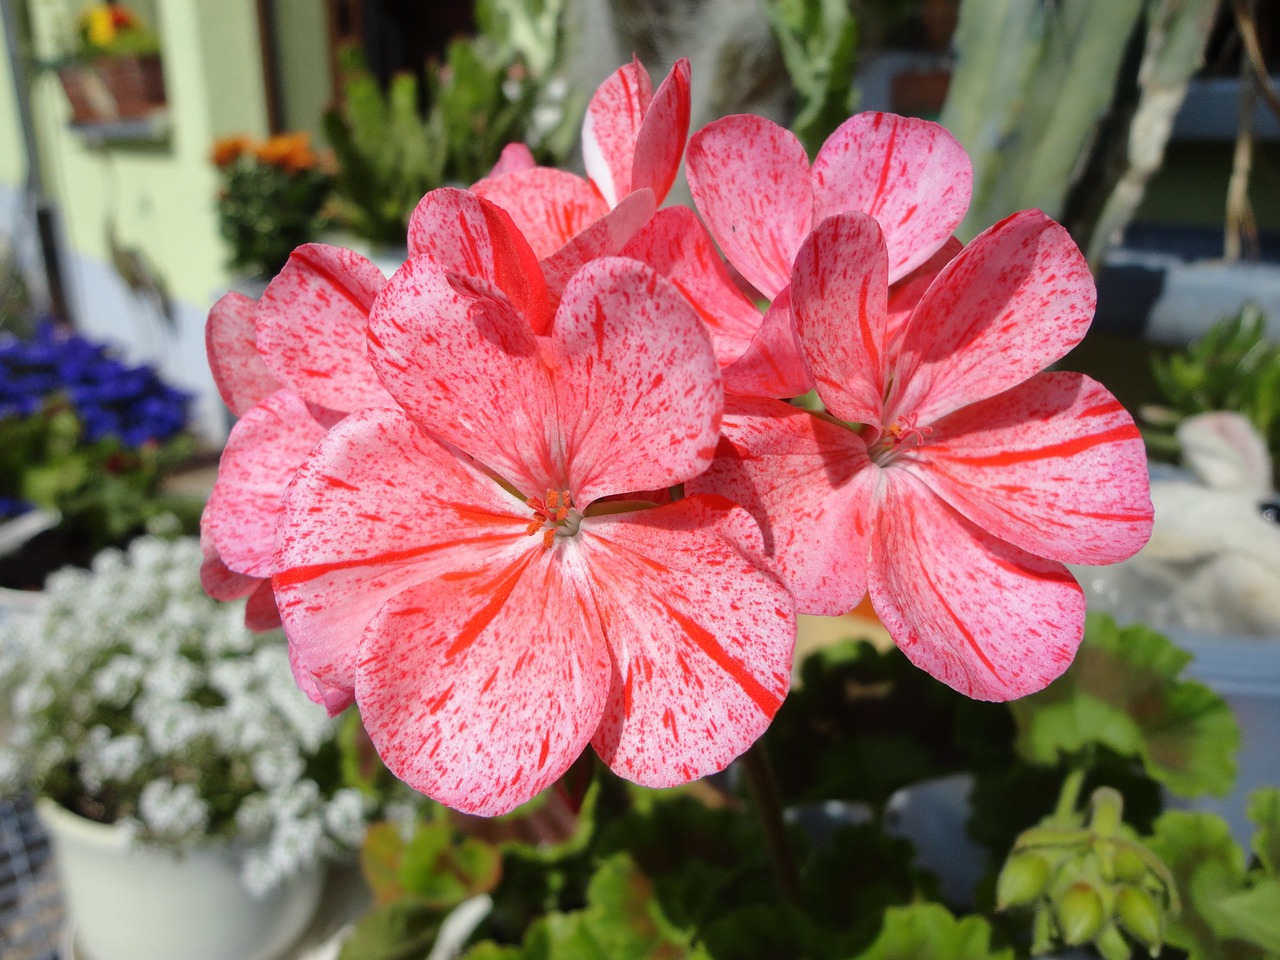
1129 866
1079 914
1022 881
1139 915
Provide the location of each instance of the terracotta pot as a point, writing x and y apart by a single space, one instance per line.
136 83
90 100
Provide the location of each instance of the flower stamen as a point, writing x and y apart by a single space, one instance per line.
554 515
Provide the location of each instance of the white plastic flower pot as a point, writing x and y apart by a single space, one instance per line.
131 903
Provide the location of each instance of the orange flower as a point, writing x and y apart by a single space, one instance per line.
290 151
227 150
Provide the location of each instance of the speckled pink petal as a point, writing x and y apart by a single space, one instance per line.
514 157
377 508
772 365
701 638
912 175
1016 299
810 486
479 689
231 344
311 327
468 234
550 207
264 451
637 386
1054 465
611 128
906 293
260 610
660 140
333 699
839 297
982 616
676 244
604 238
750 181
466 366
218 580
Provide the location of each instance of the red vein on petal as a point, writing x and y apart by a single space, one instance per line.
293 576
1066 448
764 699
502 589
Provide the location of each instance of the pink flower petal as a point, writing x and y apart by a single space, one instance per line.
701 638
772 365
379 507
468 368
809 484
480 689
982 616
514 157
311 327
604 238
216 578
637 386
839 297
676 244
1054 465
612 126
260 610
911 175
333 699
264 451
907 292
549 207
470 235
660 141
231 343
1017 298
750 181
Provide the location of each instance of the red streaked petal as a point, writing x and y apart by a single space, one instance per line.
333 699
377 508
986 618
468 234
810 486
700 636
311 327
468 368
839 298
906 293
772 365
263 453
260 610
549 207
912 175
676 244
603 238
611 128
750 181
230 340
481 689
218 580
514 156
1054 465
637 387
1016 299
660 140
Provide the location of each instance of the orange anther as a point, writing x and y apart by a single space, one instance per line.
553 500
534 526
548 537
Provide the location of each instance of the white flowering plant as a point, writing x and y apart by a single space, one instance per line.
133 698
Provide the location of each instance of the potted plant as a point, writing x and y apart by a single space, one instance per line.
116 72
86 438
272 195
190 791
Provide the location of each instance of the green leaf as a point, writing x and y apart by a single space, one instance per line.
404 930
443 870
1251 915
1264 810
929 930
1123 693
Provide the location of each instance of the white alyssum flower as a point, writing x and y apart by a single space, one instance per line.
133 689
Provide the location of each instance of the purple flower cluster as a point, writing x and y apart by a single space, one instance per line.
110 398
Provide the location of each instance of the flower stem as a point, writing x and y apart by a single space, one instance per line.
764 793
1069 795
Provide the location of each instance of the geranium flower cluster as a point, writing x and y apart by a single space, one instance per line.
134 698
541 488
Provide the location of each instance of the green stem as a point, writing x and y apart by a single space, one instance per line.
1069 795
768 804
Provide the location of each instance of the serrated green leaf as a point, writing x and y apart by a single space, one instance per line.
1251 915
1123 693
929 930
1264 811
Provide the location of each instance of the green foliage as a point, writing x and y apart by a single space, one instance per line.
1232 367
1123 693
525 31
818 39
1231 910
929 930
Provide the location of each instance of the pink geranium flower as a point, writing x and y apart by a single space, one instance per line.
949 477
465 565
753 184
